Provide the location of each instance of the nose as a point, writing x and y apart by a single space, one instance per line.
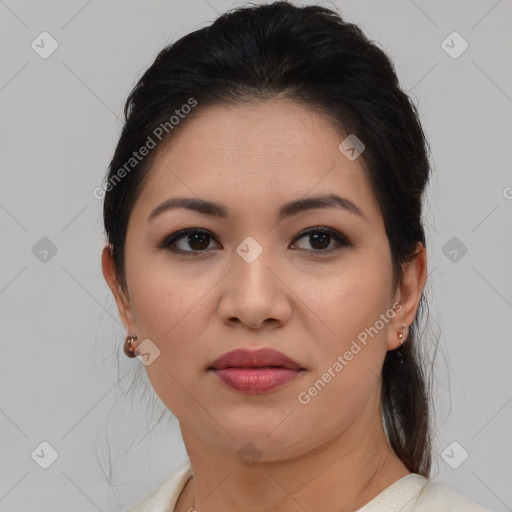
255 294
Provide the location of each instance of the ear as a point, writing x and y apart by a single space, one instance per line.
123 303
408 295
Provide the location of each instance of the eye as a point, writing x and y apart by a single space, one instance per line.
197 239
320 238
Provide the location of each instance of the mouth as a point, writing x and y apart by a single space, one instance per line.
255 372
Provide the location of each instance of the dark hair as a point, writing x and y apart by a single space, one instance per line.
312 56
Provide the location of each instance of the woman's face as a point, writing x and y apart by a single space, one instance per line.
256 279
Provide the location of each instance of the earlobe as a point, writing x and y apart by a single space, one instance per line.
123 304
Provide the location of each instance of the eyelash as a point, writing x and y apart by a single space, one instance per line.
169 241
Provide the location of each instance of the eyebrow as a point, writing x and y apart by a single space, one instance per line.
287 209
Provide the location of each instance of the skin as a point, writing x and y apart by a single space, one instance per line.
330 454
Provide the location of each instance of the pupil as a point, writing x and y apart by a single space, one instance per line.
195 239
323 236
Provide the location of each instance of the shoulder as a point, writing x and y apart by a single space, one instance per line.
164 496
439 497
416 493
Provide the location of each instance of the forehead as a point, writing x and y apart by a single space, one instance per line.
255 155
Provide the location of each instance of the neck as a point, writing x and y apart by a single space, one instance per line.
344 473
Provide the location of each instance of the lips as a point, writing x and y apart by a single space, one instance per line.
262 357
255 371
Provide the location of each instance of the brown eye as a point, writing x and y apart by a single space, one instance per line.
320 238
197 240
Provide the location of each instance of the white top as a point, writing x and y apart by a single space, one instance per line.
411 493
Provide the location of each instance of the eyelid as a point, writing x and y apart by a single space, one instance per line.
341 239
177 235
325 229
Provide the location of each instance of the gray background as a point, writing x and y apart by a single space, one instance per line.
61 336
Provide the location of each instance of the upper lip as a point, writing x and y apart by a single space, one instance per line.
260 357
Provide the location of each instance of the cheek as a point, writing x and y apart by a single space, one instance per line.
348 298
170 317
348 353
329 407
170 310
349 306
168 300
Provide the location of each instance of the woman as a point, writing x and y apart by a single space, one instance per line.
267 256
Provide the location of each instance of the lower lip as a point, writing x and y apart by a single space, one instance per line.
257 380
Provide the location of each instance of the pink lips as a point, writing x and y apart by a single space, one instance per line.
255 371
